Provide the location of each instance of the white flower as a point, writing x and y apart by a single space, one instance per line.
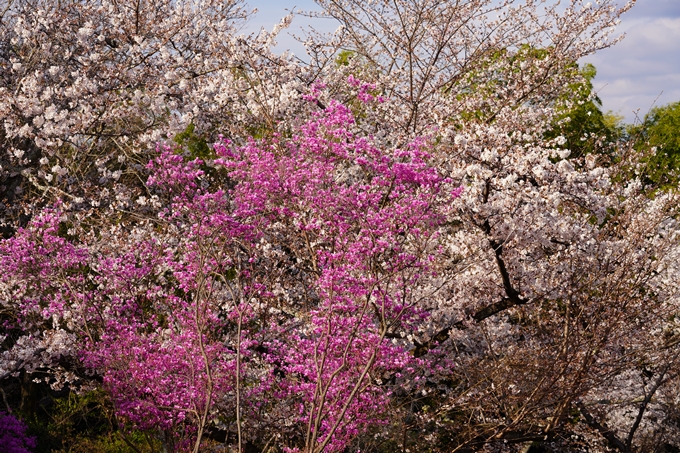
591 161
489 155
86 31
25 131
565 166
59 170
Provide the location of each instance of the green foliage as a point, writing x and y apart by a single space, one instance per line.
344 57
660 132
261 131
84 424
615 124
194 143
580 119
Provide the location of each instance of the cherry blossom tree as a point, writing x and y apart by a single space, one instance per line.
89 87
554 254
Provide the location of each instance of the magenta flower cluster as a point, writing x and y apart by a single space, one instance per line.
273 291
13 437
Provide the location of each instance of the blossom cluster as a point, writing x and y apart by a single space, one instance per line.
13 436
198 315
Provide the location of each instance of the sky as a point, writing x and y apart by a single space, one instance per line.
638 73
643 70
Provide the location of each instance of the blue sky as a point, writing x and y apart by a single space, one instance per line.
641 71
644 69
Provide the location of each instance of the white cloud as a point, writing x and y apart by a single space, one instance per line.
644 69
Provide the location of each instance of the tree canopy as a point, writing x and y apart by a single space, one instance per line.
428 238
660 133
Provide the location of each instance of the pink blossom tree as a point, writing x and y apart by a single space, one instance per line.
205 313
13 435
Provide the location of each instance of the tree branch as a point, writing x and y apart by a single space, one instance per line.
648 397
495 308
603 430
